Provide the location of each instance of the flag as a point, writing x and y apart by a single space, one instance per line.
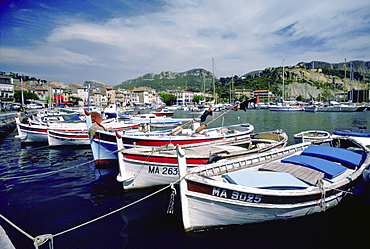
244 105
205 115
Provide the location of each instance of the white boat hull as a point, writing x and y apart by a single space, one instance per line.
291 182
285 108
146 168
311 135
212 212
67 139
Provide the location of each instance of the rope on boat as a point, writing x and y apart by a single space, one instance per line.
323 195
42 239
171 205
45 173
54 171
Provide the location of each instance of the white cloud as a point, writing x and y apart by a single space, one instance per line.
241 35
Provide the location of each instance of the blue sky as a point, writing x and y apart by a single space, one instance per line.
115 40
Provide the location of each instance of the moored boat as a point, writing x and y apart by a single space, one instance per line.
360 136
67 138
164 112
38 132
285 108
158 121
145 167
110 111
311 135
294 181
104 144
334 106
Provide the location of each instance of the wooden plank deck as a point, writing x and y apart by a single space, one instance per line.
305 174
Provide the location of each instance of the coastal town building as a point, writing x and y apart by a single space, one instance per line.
186 97
6 88
146 95
239 92
6 92
265 95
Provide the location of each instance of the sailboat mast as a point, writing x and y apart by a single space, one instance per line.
22 92
213 80
204 83
283 81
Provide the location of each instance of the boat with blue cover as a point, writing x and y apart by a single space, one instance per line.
361 135
293 181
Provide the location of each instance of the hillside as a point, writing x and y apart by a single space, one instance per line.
194 79
324 79
308 79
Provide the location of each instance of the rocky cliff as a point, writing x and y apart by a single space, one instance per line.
308 79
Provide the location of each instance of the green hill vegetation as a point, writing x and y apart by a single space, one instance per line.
194 80
307 80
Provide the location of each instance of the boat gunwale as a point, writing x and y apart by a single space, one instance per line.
199 174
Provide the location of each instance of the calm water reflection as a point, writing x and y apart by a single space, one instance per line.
56 202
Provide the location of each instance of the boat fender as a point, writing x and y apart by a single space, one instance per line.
366 176
214 158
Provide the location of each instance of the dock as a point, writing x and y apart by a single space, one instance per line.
5 242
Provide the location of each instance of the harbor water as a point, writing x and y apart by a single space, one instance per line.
49 191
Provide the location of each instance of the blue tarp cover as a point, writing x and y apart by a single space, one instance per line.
329 168
351 134
347 157
72 118
265 179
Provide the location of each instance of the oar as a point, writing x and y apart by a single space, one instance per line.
200 128
176 130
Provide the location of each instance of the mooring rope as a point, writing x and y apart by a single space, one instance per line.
41 239
45 173
54 171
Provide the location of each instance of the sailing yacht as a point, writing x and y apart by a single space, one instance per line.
284 106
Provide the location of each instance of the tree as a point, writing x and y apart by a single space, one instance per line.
74 99
169 99
299 98
197 99
26 95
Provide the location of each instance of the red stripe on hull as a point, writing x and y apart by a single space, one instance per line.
69 136
106 163
172 160
34 129
128 127
157 143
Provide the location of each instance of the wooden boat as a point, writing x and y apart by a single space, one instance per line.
294 181
144 167
29 133
57 118
38 132
124 115
110 111
158 121
361 136
104 145
164 112
67 138
311 135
